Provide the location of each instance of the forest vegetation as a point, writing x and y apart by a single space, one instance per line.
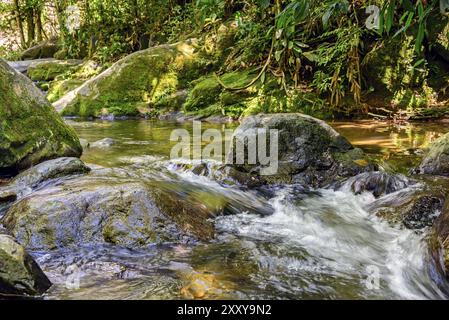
318 57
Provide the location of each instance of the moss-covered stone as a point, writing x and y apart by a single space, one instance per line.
49 70
309 152
45 49
59 88
19 273
134 84
30 130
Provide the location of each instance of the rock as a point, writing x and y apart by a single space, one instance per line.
31 131
19 273
378 182
59 88
84 144
439 242
45 171
423 212
22 66
134 83
95 209
49 70
436 160
310 152
46 49
103 143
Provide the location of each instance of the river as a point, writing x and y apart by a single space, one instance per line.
317 244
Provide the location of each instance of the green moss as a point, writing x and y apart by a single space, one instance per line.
59 88
30 129
49 70
205 92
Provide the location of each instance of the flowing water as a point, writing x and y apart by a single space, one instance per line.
315 244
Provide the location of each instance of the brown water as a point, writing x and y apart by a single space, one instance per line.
319 245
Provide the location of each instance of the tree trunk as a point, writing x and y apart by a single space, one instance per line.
19 23
30 26
39 24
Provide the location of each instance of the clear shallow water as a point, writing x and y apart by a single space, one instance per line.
319 244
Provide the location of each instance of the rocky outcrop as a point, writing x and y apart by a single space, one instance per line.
436 161
134 84
310 152
19 273
31 131
49 70
45 49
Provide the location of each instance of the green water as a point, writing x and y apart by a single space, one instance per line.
315 245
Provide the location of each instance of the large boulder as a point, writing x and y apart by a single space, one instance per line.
436 160
135 83
46 49
49 70
19 273
106 207
310 152
30 129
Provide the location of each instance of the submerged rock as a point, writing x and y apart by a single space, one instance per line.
31 131
439 242
436 161
378 182
104 143
423 212
19 273
310 152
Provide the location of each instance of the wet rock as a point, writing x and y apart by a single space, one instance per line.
31 130
436 161
19 273
45 49
423 212
104 143
439 242
378 183
310 152
48 170
92 210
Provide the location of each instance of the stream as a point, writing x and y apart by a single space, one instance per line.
317 244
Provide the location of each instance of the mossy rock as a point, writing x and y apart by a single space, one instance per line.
309 152
436 160
46 49
30 129
49 70
134 84
19 273
59 88
207 92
